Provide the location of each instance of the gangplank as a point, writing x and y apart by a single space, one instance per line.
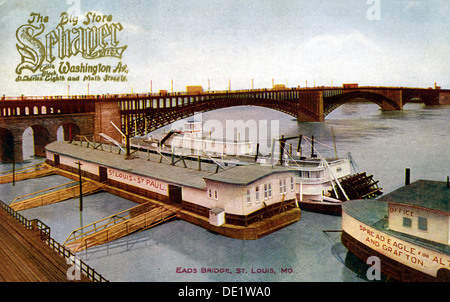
138 218
24 173
55 194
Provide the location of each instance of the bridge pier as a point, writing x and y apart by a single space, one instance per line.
321 116
11 149
17 155
444 98
105 113
310 107
395 96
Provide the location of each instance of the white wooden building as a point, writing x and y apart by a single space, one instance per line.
424 216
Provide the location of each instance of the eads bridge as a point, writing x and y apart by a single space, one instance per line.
137 114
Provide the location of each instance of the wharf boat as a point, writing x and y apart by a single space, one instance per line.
240 201
407 229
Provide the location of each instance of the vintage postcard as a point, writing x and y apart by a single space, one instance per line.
222 141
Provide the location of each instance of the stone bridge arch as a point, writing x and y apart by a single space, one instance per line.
69 130
41 137
45 129
6 145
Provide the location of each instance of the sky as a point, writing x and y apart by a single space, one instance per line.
171 44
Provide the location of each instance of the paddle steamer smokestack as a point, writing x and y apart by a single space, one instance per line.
407 176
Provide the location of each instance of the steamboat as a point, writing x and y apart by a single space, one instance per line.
321 184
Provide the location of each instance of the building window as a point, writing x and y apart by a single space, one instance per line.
248 197
267 190
292 184
407 222
216 195
422 224
257 194
209 193
283 186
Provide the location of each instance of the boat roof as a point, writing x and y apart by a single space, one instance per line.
244 175
429 194
190 177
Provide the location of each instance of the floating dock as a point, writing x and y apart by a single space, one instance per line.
217 197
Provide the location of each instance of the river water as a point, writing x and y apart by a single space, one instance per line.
381 143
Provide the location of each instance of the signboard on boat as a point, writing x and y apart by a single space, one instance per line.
138 181
411 255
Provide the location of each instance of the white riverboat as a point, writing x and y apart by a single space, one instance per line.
322 184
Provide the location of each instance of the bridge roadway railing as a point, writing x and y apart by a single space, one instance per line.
164 109
185 93
36 224
136 103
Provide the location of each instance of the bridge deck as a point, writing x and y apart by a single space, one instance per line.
24 257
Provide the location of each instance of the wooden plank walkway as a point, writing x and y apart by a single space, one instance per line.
24 257
48 196
108 229
26 173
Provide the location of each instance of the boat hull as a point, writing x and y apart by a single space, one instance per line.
400 258
247 227
389 267
321 207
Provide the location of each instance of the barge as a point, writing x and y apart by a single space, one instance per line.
240 201
407 229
